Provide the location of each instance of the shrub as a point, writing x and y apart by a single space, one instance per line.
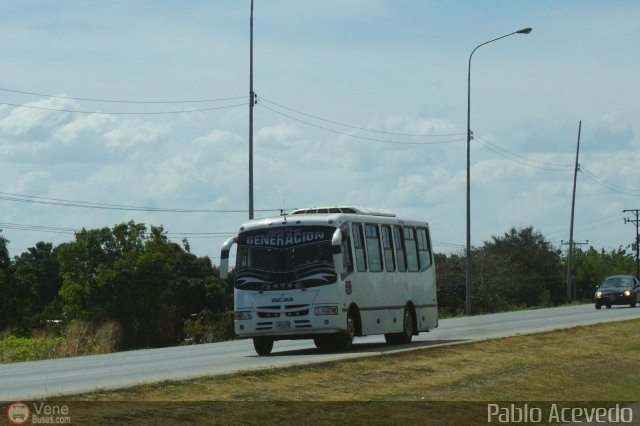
77 338
207 327
14 349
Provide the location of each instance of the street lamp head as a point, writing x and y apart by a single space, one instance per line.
524 31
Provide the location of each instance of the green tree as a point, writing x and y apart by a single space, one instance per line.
7 300
83 266
522 268
147 283
519 268
450 276
37 271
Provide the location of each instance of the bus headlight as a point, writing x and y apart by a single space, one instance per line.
326 310
627 293
242 315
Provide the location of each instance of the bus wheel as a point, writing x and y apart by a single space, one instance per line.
263 345
407 330
344 340
322 342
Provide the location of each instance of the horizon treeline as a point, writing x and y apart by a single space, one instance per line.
160 294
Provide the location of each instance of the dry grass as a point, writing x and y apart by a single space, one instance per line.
593 363
600 362
77 338
82 338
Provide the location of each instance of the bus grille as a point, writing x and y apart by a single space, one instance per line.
274 311
278 311
302 324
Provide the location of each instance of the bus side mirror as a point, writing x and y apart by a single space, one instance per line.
224 257
336 251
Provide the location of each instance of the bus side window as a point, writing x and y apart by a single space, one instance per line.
400 253
424 250
411 249
373 247
347 257
387 247
358 244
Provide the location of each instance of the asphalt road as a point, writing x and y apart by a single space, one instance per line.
40 379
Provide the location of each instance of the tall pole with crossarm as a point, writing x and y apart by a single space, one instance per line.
251 104
468 287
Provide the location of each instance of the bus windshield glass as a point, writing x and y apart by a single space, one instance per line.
285 258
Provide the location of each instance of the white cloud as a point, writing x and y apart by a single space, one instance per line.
89 125
277 137
35 115
135 135
380 66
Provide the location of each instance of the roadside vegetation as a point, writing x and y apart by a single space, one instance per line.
590 366
75 338
153 292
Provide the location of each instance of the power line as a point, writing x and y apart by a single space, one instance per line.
74 111
22 198
61 230
186 101
520 159
37 228
337 132
609 185
359 128
447 244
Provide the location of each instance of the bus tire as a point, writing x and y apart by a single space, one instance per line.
322 342
263 345
344 340
406 335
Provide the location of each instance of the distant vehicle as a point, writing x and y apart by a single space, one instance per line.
330 274
618 290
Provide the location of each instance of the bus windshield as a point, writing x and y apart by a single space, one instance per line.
285 258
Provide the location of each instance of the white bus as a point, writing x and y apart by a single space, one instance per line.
330 274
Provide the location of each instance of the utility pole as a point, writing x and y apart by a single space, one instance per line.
635 221
573 206
573 288
251 104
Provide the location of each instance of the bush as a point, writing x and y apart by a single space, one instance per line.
78 338
14 349
82 338
207 327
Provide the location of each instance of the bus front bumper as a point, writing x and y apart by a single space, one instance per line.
289 325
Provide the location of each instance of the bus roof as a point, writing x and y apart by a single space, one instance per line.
344 209
327 216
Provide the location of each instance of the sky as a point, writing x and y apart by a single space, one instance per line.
138 111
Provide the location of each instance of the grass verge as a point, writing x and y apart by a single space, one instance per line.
453 383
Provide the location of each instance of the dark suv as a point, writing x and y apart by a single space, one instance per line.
618 290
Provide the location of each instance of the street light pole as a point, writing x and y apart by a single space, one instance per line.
251 105
468 287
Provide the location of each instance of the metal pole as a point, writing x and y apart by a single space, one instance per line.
637 223
573 206
251 104
468 286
